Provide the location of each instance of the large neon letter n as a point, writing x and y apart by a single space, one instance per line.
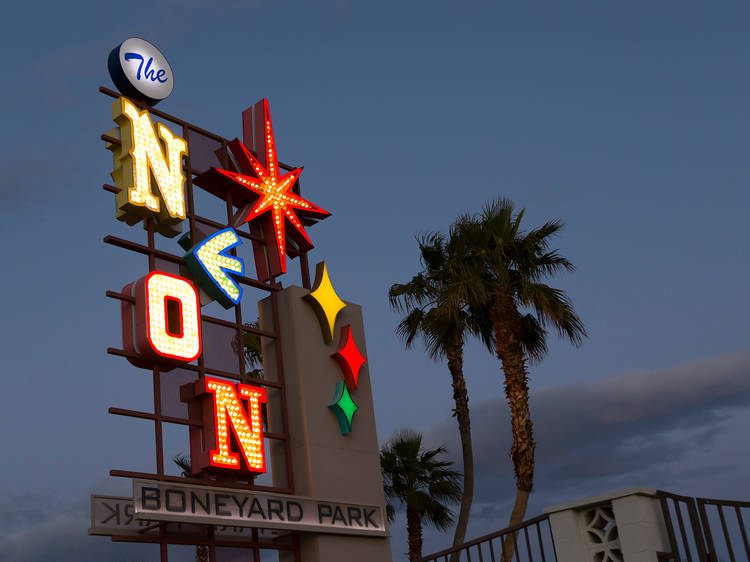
141 157
247 427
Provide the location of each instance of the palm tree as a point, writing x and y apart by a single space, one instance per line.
420 481
512 265
438 307
251 349
183 463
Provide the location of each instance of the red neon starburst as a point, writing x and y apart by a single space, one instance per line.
258 183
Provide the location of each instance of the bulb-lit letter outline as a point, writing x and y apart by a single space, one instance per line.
152 329
140 158
246 425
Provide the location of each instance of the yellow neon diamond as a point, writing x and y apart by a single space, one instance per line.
325 301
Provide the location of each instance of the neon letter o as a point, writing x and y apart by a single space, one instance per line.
167 317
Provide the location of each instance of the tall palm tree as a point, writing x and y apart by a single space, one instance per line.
421 482
183 463
439 307
513 263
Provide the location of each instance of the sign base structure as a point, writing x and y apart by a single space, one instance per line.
326 463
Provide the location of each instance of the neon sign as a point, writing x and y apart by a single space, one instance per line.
139 159
344 408
220 403
165 321
211 264
149 73
275 207
140 71
162 319
261 376
349 358
324 300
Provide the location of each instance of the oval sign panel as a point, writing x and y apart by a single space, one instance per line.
140 71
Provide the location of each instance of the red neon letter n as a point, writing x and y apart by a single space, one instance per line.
228 411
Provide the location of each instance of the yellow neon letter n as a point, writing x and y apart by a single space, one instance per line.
141 158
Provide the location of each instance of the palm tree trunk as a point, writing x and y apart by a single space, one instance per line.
507 325
414 528
454 353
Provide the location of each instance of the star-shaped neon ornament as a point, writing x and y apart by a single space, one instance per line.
264 195
344 407
349 358
324 301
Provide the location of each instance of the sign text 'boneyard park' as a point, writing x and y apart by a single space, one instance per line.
159 501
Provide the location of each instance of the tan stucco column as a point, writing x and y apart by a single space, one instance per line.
326 464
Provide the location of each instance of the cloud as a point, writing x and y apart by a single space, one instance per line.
636 428
675 429
37 527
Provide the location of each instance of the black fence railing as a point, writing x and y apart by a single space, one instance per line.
683 529
732 543
705 530
698 530
533 543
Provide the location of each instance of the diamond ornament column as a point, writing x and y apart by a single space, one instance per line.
326 462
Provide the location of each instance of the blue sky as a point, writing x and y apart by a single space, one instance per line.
627 121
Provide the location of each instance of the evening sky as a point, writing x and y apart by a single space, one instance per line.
629 121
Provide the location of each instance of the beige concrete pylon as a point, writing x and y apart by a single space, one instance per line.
326 464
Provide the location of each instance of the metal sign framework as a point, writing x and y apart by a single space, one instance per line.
168 533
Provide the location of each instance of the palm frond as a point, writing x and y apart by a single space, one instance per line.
419 479
183 463
553 306
502 258
439 300
533 338
410 326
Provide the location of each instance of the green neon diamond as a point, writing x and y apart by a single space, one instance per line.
344 407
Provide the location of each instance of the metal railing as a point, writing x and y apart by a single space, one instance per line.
698 530
683 529
532 544
732 526
693 523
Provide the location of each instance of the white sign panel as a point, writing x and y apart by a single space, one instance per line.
140 71
165 501
115 516
112 515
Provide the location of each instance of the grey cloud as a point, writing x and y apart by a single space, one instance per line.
676 428
626 427
38 528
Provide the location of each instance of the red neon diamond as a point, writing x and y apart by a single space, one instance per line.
349 358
